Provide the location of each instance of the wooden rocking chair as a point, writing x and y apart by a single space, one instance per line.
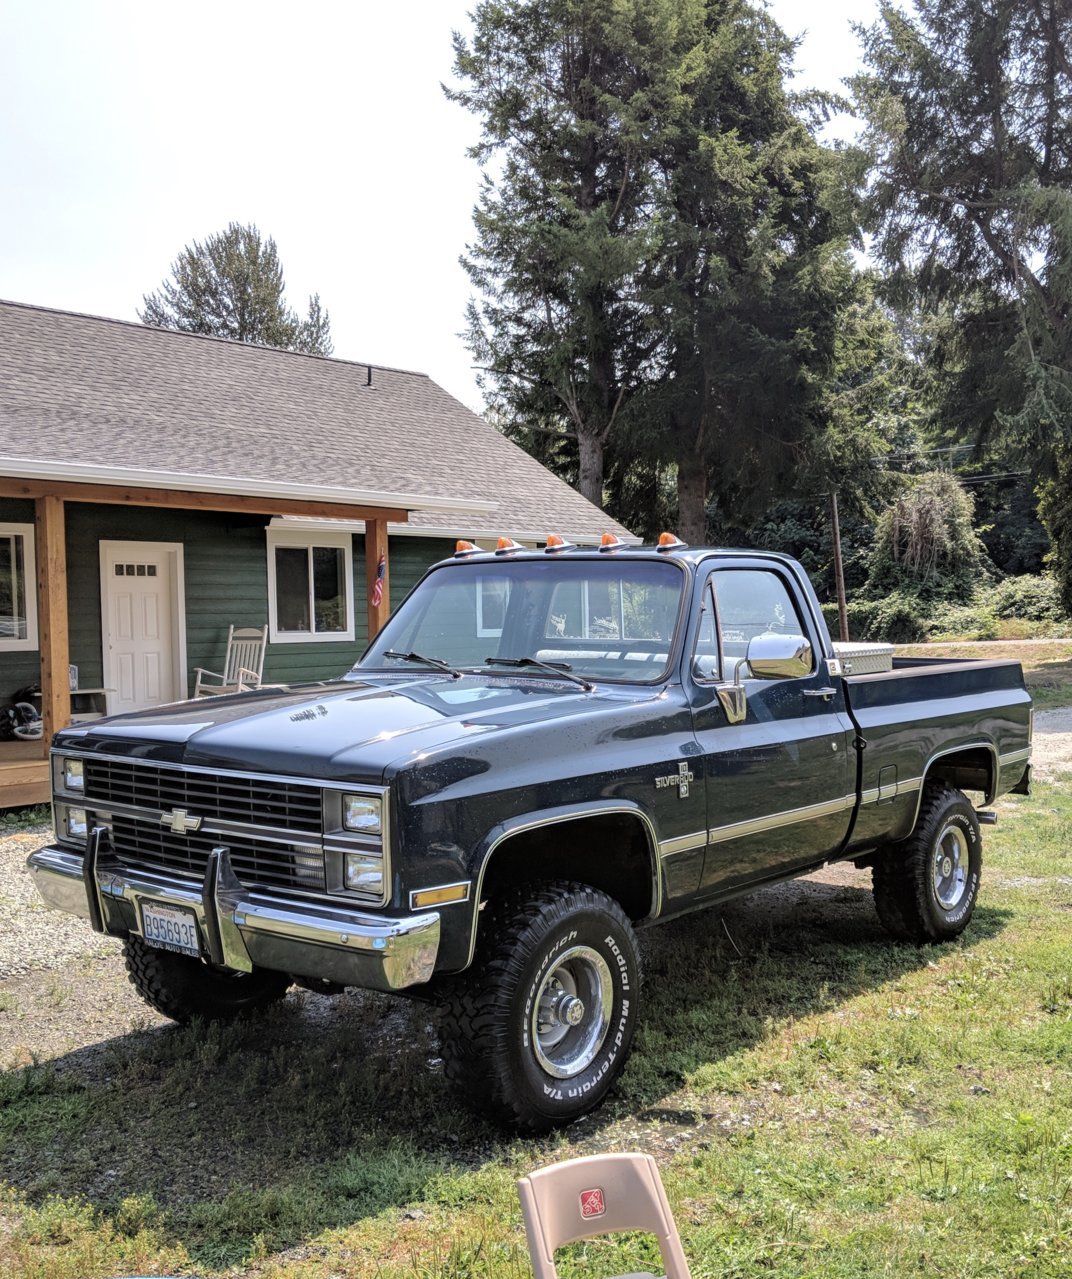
243 664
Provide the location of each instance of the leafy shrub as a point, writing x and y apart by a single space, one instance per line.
1033 597
963 622
897 619
925 544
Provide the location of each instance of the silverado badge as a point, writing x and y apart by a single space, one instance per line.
180 821
680 779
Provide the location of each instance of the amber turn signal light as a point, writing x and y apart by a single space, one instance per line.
668 542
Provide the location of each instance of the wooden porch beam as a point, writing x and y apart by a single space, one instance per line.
186 499
375 546
52 615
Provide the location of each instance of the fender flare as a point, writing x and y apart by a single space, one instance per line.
506 830
995 771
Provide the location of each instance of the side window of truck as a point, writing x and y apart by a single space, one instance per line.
751 602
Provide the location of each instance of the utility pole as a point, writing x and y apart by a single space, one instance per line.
839 568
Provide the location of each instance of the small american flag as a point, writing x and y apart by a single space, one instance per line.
377 585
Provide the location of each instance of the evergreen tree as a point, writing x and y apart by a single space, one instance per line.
658 260
754 271
564 91
968 105
231 286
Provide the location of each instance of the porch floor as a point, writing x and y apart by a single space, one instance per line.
23 774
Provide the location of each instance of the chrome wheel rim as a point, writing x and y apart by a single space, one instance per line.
571 1012
950 868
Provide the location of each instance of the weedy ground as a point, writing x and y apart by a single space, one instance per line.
822 1103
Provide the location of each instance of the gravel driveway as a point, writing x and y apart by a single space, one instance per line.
62 986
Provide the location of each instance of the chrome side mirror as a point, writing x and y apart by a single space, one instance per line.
769 657
779 657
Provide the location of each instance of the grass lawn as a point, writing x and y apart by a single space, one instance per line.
822 1103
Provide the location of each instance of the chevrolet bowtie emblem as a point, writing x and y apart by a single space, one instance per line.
180 821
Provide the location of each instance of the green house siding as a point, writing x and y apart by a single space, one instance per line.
226 581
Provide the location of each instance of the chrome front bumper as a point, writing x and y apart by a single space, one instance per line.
238 928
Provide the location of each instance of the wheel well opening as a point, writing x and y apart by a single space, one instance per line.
971 769
609 852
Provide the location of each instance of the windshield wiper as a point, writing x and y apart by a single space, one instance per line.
562 669
436 663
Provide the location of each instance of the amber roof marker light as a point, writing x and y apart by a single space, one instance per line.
609 542
462 549
668 542
507 546
556 543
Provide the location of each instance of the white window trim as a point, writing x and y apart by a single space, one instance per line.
306 540
10 643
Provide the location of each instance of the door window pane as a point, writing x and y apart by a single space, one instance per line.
752 602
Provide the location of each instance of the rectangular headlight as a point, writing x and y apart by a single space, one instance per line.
363 814
364 874
73 775
72 823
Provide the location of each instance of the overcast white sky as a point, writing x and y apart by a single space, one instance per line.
129 128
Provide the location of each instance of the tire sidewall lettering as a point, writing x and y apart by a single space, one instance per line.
551 1093
953 919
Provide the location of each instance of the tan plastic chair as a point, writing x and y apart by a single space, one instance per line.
598 1195
243 664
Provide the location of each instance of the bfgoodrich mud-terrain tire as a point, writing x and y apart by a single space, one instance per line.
538 1029
183 988
926 887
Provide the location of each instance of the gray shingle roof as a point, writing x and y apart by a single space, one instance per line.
107 394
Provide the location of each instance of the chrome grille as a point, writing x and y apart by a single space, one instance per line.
213 796
257 863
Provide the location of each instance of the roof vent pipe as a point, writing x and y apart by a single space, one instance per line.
368 381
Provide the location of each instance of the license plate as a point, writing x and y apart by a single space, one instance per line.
170 928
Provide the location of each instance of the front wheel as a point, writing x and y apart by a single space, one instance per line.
926 887
537 1031
183 988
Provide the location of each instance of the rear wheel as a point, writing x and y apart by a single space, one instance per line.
538 1030
926 887
183 988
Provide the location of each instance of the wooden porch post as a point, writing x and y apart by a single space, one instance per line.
52 615
375 547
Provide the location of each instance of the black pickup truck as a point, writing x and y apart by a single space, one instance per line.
541 752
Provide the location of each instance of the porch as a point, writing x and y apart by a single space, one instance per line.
24 770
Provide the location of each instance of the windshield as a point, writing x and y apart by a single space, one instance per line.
604 619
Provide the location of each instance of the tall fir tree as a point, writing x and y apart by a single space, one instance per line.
658 260
231 286
564 90
968 105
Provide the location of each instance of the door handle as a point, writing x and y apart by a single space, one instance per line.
820 692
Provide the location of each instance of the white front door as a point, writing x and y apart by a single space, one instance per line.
142 623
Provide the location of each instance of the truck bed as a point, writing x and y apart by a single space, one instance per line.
927 708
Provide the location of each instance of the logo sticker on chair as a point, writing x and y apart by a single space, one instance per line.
592 1203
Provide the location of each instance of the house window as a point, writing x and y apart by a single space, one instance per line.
18 597
492 595
310 587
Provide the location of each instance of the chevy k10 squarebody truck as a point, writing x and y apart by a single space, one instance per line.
541 751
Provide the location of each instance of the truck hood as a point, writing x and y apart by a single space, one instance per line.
355 730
